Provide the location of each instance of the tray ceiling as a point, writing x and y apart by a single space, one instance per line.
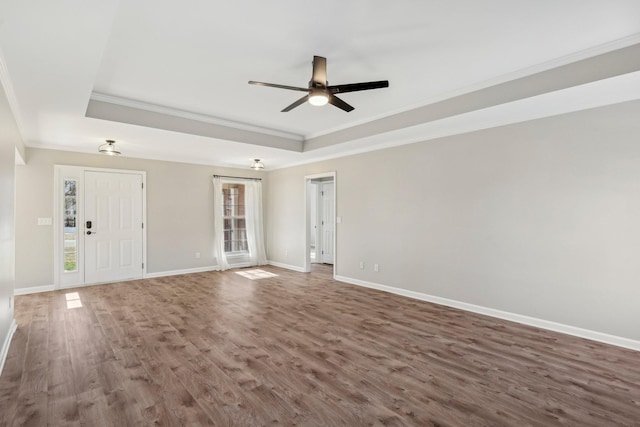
169 81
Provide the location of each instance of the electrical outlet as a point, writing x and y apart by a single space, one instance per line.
375 268
197 255
361 265
286 253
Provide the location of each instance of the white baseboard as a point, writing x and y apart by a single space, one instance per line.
33 290
287 266
4 351
518 318
179 272
241 265
48 288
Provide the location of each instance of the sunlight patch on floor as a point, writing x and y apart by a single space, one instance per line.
73 300
255 274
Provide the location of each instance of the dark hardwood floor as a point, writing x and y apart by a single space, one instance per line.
297 349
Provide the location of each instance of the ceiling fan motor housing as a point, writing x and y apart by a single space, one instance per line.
319 91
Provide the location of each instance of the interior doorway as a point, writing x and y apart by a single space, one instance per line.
320 241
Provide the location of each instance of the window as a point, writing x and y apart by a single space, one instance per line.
70 229
235 223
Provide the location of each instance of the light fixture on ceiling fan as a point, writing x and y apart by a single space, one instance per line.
257 165
109 148
319 92
318 98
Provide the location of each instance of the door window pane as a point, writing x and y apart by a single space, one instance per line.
70 234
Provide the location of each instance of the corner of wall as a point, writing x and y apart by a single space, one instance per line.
286 266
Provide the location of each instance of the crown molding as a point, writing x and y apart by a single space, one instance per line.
154 108
504 78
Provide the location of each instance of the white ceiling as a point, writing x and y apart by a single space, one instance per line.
168 79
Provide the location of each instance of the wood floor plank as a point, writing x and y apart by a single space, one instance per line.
216 348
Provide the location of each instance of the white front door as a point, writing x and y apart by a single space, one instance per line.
113 228
327 215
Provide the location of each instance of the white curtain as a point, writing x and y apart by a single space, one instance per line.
218 225
254 222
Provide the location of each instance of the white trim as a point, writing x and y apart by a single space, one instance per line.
85 285
4 351
242 265
287 266
570 58
50 288
154 108
513 317
179 272
34 290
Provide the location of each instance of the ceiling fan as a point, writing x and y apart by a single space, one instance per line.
319 92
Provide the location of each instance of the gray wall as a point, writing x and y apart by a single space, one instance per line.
540 219
179 212
9 140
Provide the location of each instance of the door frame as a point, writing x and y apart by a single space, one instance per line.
314 197
307 220
61 172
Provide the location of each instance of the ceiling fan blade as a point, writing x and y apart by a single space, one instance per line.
251 82
319 77
334 100
354 87
296 104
